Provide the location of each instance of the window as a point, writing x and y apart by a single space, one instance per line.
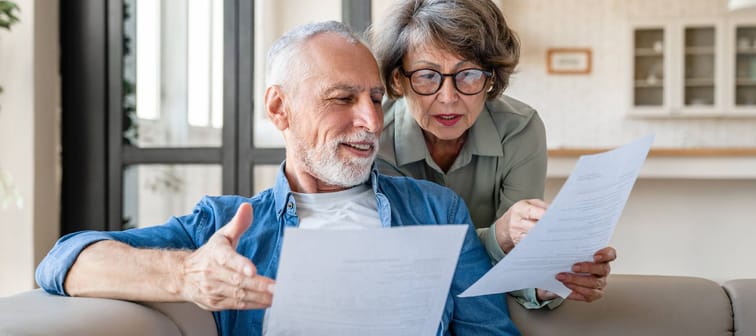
161 103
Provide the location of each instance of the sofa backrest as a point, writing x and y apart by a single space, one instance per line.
633 305
638 305
743 296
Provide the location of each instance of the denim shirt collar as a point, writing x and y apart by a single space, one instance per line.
283 195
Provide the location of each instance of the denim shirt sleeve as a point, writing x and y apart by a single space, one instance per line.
525 297
52 271
479 315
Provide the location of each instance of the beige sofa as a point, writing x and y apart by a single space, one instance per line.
633 305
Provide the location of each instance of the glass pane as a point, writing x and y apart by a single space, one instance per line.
699 66
173 73
745 66
648 58
272 19
265 177
154 193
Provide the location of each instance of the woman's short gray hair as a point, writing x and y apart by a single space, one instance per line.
474 30
284 50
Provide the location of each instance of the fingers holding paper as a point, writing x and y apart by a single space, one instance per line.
589 279
216 277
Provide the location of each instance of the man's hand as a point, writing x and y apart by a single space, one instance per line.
514 224
216 277
588 280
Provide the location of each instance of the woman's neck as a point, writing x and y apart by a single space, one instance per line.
444 152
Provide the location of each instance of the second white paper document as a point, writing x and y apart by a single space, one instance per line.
579 222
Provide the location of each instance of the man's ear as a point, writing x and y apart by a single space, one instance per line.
396 82
275 107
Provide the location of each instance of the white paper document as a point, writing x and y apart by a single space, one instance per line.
389 281
579 222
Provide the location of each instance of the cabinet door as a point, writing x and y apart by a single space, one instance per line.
650 89
743 94
701 72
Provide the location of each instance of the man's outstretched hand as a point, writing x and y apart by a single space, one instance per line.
216 277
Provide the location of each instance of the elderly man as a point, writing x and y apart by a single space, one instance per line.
324 94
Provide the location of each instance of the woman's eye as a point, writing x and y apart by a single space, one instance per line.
427 77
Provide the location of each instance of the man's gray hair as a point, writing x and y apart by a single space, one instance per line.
285 49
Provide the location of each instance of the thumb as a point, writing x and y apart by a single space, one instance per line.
235 228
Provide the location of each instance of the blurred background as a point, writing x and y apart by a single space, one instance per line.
121 113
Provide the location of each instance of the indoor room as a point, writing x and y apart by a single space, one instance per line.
123 114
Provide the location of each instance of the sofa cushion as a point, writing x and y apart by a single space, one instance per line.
39 313
188 317
637 305
742 294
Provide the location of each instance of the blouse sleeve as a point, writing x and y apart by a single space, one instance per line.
526 154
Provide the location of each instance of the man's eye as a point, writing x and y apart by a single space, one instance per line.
345 99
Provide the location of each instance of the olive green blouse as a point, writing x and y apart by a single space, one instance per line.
502 161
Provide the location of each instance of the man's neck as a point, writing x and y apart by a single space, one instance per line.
302 182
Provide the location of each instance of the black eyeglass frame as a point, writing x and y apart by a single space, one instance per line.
408 74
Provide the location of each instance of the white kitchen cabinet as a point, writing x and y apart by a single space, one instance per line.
693 68
742 82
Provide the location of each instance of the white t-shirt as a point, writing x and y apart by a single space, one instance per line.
354 208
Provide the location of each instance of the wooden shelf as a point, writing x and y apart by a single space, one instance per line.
672 163
699 82
642 83
745 82
668 152
645 52
699 51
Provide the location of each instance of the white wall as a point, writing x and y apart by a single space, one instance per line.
29 130
693 227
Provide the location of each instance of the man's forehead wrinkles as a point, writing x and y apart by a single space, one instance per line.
344 87
357 88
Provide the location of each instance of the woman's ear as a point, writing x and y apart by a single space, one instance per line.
396 82
275 107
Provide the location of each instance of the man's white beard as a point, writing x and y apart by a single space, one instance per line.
323 162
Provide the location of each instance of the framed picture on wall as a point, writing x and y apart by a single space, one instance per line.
569 61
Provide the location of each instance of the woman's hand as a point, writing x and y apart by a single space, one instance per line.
515 224
589 279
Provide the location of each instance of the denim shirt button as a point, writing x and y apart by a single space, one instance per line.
289 205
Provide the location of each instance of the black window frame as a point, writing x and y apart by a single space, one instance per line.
94 154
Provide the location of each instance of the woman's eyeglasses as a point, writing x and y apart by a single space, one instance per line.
426 82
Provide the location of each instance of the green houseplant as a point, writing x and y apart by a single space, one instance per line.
8 192
8 11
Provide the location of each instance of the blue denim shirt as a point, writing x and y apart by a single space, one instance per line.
401 201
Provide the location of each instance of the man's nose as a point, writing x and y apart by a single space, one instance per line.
369 115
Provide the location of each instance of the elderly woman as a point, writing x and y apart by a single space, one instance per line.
445 64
